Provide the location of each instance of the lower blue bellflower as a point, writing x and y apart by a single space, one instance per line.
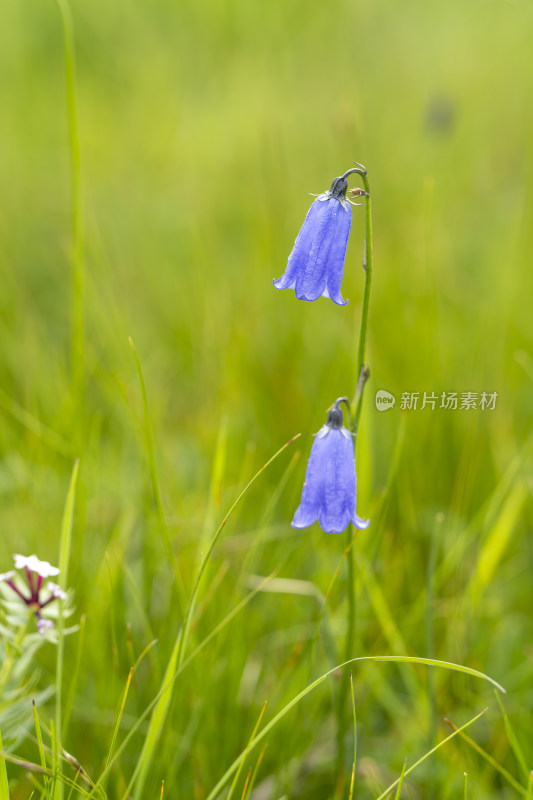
329 492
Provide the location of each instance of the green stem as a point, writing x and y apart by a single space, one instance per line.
355 413
430 624
77 259
362 370
64 559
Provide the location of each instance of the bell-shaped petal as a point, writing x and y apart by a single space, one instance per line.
329 492
316 263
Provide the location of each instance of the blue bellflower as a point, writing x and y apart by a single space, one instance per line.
316 263
329 492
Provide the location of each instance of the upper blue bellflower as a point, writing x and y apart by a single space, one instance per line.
316 263
329 492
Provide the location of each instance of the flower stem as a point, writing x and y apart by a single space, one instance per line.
362 373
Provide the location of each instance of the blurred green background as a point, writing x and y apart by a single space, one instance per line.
203 127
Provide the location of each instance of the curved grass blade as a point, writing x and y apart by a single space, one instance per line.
393 659
178 651
205 559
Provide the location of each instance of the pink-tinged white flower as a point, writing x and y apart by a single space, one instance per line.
44 625
34 564
33 589
57 591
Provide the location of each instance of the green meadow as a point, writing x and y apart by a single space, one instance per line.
156 161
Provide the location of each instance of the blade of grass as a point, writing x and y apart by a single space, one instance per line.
513 741
493 548
67 757
72 690
119 716
112 623
256 552
255 773
42 755
435 537
400 782
384 794
178 651
352 780
4 785
55 762
246 782
466 786
487 516
31 767
178 672
529 793
241 765
168 681
354 738
34 782
64 558
326 600
492 761
154 477
386 621
74 785
73 762
155 728
77 257
205 559
34 425
392 659
217 474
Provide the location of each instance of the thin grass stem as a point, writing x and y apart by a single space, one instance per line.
77 233
385 794
64 560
